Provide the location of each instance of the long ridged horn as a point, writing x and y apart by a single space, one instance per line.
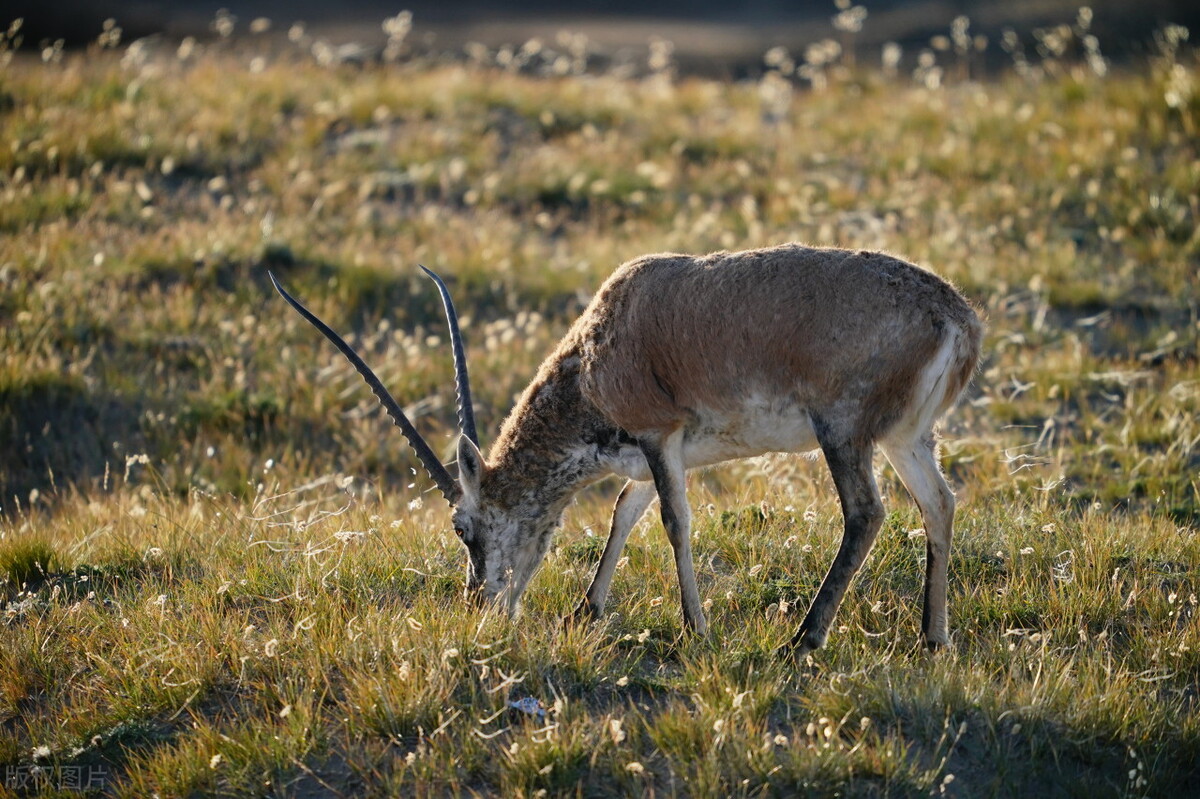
437 471
462 383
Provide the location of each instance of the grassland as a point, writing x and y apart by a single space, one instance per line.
221 576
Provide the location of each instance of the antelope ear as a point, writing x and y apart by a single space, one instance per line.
470 468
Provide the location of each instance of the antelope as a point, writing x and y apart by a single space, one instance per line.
685 361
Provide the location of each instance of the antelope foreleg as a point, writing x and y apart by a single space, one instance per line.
665 458
635 497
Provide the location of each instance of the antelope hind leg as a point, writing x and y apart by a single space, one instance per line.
862 511
916 463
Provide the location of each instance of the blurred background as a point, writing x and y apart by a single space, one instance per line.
709 38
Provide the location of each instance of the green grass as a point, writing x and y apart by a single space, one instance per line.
221 575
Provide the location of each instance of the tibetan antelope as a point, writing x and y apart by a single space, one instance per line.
683 361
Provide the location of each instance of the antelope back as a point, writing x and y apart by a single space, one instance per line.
669 334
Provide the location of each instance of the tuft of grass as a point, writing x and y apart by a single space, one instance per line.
26 562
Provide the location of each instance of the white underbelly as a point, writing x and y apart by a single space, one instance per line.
755 428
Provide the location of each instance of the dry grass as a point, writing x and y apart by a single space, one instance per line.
199 599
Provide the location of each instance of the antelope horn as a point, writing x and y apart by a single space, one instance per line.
462 383
445 483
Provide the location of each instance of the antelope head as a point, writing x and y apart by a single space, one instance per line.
504 544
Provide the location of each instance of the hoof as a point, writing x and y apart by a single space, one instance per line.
936 647
795 651
586 613
803 644
697 626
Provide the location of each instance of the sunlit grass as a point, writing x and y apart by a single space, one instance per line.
221 573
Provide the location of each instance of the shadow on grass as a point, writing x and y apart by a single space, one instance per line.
56 432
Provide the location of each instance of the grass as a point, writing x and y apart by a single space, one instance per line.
221 575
